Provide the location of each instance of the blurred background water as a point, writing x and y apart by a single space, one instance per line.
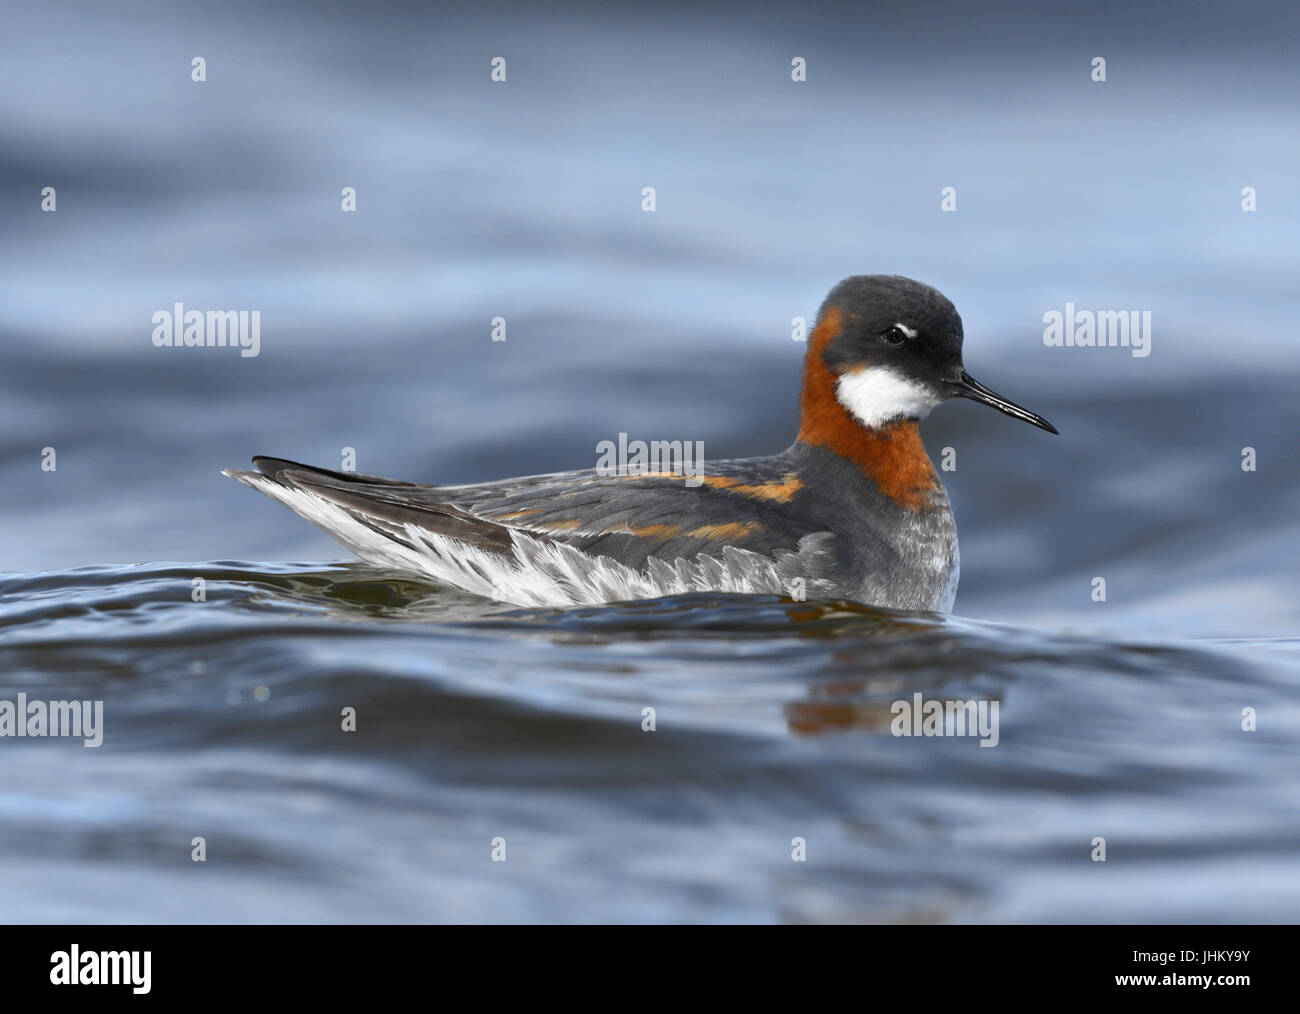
522 200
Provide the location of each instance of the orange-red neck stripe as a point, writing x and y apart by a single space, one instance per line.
892 456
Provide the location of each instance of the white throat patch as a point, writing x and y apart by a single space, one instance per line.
877 395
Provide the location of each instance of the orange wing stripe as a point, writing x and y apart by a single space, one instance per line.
781 492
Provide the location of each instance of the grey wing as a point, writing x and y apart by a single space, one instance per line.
738 517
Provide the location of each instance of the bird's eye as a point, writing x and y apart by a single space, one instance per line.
895 336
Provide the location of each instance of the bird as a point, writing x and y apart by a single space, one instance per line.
852 510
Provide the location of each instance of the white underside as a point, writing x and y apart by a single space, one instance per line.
877 395
546 573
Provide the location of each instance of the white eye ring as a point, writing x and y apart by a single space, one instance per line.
906 330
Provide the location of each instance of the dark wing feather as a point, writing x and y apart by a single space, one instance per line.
744 504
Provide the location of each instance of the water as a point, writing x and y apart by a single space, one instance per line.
1120 719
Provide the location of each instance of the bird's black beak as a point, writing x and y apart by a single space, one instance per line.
969 387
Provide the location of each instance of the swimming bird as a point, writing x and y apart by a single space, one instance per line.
852 509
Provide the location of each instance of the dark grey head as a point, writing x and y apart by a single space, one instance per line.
893 346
